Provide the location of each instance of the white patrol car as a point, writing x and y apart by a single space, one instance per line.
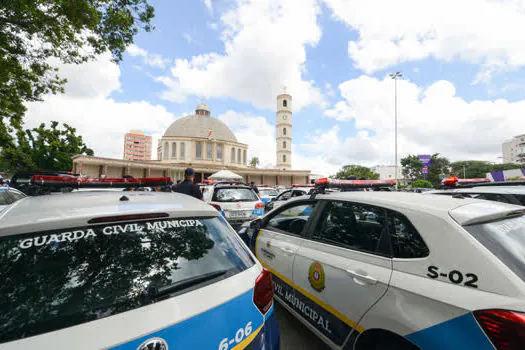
383 270
237 202
512 192
128 270
9 195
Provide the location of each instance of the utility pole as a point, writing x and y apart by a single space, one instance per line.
395 76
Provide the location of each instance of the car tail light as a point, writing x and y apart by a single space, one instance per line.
263 291
505 329
218 207
259 205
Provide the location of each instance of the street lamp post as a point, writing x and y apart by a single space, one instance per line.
395 76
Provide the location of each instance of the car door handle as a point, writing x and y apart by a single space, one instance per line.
365 278
286 250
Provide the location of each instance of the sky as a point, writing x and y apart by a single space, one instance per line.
461 95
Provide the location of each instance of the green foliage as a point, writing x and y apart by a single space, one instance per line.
254 162
479 169
34 33
422 184
358 171
439 166
44 149
411 168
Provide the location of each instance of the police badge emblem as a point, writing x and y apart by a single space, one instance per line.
316 276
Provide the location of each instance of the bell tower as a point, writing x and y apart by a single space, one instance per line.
284 131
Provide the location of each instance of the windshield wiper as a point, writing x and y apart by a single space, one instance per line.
154 292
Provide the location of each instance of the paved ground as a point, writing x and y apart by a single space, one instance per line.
294 335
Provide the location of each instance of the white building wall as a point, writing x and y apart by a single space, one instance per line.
512 148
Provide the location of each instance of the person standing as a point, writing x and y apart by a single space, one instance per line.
252 185
187 186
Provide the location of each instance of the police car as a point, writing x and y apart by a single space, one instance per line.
128 270
512 192
391 270
267 193
294 191
237 202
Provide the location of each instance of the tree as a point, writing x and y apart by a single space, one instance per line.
439 166
254 162
360 172
44 148
411 167
471 168
35 33
422 184
479 169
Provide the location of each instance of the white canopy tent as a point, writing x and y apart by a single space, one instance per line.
225 175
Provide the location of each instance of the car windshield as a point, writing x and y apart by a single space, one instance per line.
238 194
57 279
268 193
505 239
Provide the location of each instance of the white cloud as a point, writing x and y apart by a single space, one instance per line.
264 45
152 60
256 132
209 5
485 32
134 50
430 120
100 120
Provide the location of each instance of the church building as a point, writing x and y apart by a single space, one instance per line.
206 144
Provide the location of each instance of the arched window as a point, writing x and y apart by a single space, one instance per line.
233 155
285 103
182 150
244 157
284 144
219 151
284 158
198 150
166 150
284 131
174 150
239 155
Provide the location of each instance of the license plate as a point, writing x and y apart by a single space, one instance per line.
238 214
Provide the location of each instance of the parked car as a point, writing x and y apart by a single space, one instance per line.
129 270
235 201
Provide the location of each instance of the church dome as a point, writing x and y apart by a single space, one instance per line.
200 125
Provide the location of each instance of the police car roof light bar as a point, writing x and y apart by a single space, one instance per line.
333 183
303 185
88 182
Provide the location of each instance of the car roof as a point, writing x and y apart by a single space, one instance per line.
47 212
462 210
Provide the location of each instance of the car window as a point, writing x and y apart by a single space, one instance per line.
17 195
284 196
292 219
491 197
57 279
298 193
505 239
4 198
269 193
234 195
406 241
351 225
520 198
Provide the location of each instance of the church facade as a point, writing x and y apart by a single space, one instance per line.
206 144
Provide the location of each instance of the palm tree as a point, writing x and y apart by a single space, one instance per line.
254 162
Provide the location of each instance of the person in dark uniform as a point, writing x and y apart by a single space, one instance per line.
187 186
252 185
